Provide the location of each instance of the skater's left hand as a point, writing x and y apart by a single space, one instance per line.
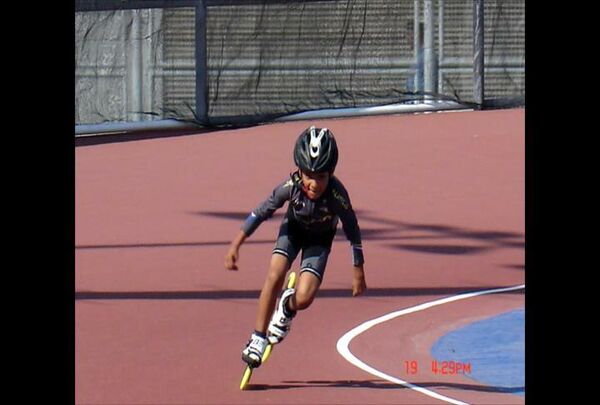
359 285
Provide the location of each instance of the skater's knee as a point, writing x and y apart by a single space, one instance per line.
277 269
306 290
303 299
275 278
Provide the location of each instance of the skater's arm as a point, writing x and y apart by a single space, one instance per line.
233 253
359 284
263 212
342 206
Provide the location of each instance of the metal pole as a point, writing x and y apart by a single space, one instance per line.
416 44
478 52
134 68
440 45
201 64
429 54
147 63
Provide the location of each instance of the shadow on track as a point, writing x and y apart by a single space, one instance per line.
380 384
253 294
393 231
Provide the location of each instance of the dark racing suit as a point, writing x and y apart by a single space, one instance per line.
309 225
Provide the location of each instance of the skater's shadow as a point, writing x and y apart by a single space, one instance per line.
379 384
318 383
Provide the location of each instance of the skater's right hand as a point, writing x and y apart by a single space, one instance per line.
231 259
233 254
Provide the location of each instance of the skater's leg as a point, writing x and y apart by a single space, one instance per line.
306 290
270 291
258 342
312 270
301 297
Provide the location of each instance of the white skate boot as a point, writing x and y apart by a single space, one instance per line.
280 323
254 351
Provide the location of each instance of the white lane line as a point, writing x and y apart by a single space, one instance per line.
344 341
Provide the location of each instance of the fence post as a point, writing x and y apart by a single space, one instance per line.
201 112
440 63
417 40
428 51
134 67
478 52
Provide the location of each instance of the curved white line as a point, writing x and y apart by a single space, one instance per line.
344 341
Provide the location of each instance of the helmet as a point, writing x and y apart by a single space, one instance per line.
316 150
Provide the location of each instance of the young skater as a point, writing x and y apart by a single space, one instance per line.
317 199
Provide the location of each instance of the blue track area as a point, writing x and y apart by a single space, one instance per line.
494 348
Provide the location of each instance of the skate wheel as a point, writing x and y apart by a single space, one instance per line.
267 353
291 280
246 377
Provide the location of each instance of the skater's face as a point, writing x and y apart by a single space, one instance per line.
314 183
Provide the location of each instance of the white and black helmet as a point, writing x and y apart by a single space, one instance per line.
316 150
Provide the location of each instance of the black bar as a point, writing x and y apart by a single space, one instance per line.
201 112
104 5
210 3
478 52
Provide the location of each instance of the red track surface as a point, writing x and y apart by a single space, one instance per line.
440 200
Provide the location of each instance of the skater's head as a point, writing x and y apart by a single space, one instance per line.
316 150
316 155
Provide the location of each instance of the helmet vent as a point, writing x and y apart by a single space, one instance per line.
315 142
316 150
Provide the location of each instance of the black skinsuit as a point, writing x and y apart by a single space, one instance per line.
309 225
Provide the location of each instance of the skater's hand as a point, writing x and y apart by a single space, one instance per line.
231 259
359 285
233 254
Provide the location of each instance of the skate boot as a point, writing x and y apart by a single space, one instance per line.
281 321
254 350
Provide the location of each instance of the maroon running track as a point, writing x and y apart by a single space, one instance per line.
440 200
